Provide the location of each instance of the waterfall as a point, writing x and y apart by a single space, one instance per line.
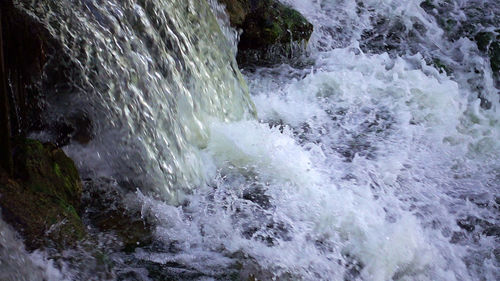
373 157
153 74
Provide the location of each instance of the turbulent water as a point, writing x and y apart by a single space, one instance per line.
366 160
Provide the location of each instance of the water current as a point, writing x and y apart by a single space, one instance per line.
375 156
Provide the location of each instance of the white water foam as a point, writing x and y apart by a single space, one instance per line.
16 264
360 168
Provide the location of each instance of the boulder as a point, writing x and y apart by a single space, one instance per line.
42 200
237 11
271 31
109 210
489 43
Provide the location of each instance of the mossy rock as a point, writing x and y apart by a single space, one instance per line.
442 66
269 30
237 10
42 201
483 40
107 209
132 230
489 43
494 53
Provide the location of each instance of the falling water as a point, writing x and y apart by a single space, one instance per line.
154 74
366 160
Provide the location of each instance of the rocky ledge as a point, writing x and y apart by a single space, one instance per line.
271 31
41 193
42 199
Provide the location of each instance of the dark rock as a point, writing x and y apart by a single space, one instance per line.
471 223
483 40
477 25
271 31
257 195
77 127
468 224
494 53
108 210
42 201
442 66
5 130
489 43
25 46
427 5
237 11
42 77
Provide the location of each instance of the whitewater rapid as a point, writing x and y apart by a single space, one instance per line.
362 166
362 163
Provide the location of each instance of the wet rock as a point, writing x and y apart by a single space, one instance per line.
237 10
132 231
483 40
472 223
257 195
24 55
467 224
494 53
42 200
108 210
271 31
77 128
25 47
42 80
442 66
488 42
475 24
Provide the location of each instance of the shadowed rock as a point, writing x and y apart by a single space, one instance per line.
272 32
40 75
42 201
106 207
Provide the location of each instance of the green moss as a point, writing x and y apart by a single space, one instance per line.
237 11
31 146
483 40
57 170
292 18
43 199
273 33
442 67
269 30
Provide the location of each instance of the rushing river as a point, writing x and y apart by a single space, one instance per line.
363 160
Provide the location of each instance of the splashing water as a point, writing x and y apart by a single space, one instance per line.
156 72
365 163
364 166
18 265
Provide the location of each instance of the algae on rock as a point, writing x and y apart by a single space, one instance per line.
271 30
42 201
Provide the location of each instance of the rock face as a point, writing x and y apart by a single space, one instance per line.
270 30
42 200
25 48
40 74
489 43
40 188
107 208
494 53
